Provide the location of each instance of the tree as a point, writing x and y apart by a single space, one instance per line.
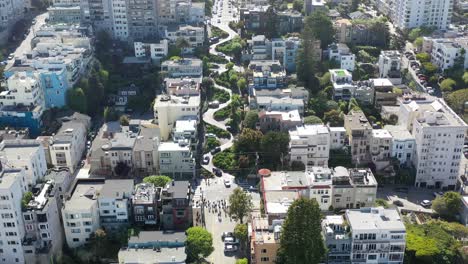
414 34
457 100
248 140
76 100
271 30
199 243
447 205
311 120
354 5
321 27
240 204
298 5
242 84
241 233
242 261
274 147
381 202
418 42
27 196
124 121
423 57
157 180
110 114
251 119
465 77
447 85
182 43
429 68
333 117
301 240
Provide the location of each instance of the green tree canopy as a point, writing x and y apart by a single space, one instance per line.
333 117
157 180
423 57
241 233
465 77
248 140
76 100
240 204
301 239
448 205
251 119
311 120
429 68
447 85
199 243
274 146
124 121
457 100
321 27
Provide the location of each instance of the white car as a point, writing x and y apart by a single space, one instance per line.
227 183
230 248
426 203
210 135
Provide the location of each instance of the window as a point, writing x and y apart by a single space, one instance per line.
264 259
372 257
76 240
264 250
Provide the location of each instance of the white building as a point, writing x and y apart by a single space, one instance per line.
176 160
156 51
80 213
403 144
378 235
10 12
194 36
25 153
67 146
337 137
182 86
440 134
310 144
444 52
169 109
431 13
183 67
381 148
284 104
186 130
389 64
23 89
341 53
12 186
114 203
343 87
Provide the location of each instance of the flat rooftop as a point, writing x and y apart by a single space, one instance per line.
149 255
117 189
84 195
376 218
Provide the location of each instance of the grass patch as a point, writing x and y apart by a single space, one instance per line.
217 131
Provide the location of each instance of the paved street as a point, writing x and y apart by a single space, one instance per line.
411 199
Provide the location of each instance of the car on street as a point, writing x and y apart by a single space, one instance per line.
398 203
437 194
206 160
426 203
227 183
217 172
230 248
215 150
231 240
210 135
226 234
11 56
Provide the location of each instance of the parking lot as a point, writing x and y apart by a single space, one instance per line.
411 197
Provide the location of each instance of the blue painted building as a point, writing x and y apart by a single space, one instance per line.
55 85
22 116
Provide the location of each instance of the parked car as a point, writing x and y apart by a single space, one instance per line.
210 135
206 160
230 248
398 203
226 234
217 172
426 203
437 194
215 150
231 240
227 183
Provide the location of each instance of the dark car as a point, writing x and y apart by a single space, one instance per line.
217 172
398 203
206 160
215 150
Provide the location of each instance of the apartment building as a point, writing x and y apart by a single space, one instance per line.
439 134
310 144
176 206
381 149
430 13
142 19
186 131
11 11
80 212
114 200
145 151
148 246
183 86
194 36
43 238
366 235
156 51
12 186
267 74
279 121
337 137
272 96
285 51
359 133
62 180
383 92
174 11
65 13
146 201
169 109
289 21
120 19
176 160
390 65
183 68
254 16
27 154
283 104
445 52
340 53
264 239
23 89
343 87
68 145
403 144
